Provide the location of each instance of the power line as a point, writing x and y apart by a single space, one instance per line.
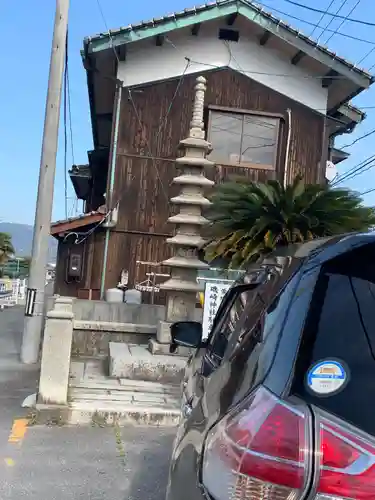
353 169
368 191
174 96
321 18
346 35
333 19
366 56
281 75
108 30
358 139
336 16
358 169
344 21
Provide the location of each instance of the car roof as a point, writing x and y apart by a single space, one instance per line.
314 252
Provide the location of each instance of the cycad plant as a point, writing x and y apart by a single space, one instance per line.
249 219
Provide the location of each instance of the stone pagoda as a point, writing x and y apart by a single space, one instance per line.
182 286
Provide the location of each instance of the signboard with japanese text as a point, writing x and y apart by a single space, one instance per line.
213 295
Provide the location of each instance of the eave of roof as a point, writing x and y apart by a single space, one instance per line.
220 8
74 223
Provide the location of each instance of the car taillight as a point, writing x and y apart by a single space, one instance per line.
258 452
347 464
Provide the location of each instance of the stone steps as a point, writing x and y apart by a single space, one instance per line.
135 362
129 404
141 389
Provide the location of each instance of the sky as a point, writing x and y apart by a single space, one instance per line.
25 39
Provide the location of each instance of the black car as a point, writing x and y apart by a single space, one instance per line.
279 402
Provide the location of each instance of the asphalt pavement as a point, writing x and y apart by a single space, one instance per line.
66 463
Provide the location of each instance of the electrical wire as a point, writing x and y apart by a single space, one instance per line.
333 19
368 191
321 18
85 235
353 169
309 23
131 100
108 30
336 16
343 22
267 73
163 121
358 169
365 56
358 139
189 61
88 233
352 174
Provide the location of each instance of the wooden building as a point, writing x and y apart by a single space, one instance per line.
275 101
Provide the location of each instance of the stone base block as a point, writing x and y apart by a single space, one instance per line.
163 333
45 414
156 347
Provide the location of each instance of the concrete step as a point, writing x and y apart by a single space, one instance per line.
126 384
135 362
110 386
105 413
98 406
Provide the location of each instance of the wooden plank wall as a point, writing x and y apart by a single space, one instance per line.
148 144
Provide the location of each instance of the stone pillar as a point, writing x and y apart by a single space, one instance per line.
55 364
182 287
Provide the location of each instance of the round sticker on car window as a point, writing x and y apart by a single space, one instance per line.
327 377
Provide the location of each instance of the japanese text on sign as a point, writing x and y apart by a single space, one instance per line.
213 295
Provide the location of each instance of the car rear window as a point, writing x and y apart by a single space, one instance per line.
341 327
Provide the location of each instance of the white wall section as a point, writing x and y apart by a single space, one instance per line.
146 63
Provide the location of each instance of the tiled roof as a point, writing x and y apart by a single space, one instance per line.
111 36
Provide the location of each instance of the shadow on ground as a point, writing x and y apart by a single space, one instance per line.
149 477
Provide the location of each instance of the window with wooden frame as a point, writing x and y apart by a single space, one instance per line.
243 138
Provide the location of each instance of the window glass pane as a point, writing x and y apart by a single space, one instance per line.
231 323
341 326
225 136
259 140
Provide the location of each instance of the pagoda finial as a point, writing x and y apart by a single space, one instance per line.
197 124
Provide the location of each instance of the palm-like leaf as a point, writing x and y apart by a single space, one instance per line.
248 219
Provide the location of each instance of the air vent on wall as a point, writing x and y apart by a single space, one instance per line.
229 35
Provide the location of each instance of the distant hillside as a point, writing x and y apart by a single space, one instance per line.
22 239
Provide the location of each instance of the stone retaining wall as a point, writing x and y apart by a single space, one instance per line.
92 338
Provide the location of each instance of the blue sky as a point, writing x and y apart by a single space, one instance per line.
25 38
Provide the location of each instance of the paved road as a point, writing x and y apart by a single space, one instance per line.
66 463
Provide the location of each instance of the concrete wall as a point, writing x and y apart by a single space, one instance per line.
96 323
97 310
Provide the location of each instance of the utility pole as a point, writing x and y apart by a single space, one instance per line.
37 278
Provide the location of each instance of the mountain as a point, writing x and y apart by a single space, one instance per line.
22 239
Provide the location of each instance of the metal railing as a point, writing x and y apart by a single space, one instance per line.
12 292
